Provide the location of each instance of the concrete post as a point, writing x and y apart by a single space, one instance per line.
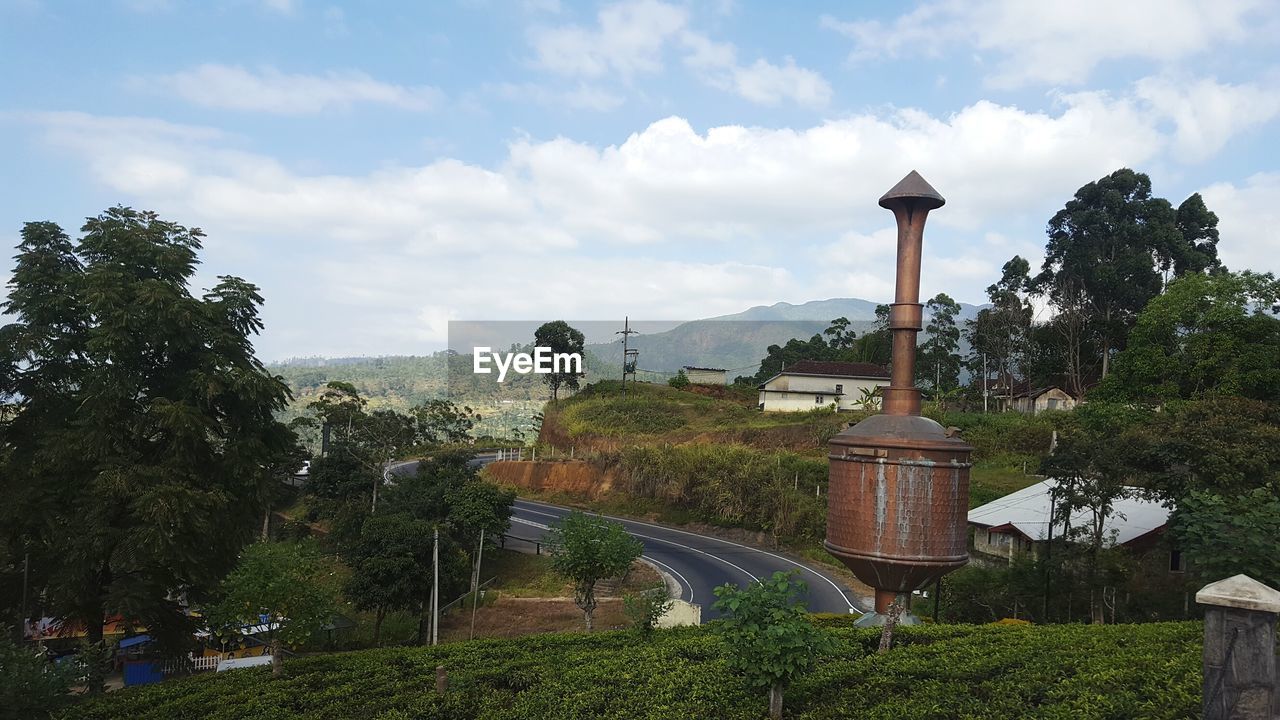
1240 681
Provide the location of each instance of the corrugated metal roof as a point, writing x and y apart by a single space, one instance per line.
1027 510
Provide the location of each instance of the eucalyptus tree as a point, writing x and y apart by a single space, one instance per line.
940 362
1111 249
140 442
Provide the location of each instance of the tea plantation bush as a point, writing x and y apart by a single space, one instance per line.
1071 671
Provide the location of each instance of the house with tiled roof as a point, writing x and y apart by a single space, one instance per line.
811 384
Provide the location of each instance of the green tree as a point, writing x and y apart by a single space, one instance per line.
875 346
1224 444
443 422
380 437
587 549
560 338
1090 468
1109 250
1224 535
1205 335
338 409
679 381
840 334
940 363
141 445
1001 333
778 357
292 584
390 566
30 685
447 494
769 635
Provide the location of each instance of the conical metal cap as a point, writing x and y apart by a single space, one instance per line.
913 187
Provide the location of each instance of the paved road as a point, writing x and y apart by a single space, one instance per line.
699 563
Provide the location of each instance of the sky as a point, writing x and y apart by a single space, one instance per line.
379 169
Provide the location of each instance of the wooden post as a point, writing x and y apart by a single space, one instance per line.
442 680
1240 650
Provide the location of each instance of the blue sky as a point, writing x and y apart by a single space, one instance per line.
382 168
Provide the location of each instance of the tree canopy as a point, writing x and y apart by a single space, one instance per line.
560 337
292 584
587 549
1113 246
140 443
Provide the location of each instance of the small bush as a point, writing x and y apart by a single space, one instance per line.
644 609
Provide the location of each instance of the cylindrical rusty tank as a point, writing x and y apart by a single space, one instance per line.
899 482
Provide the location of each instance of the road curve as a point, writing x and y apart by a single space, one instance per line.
699 563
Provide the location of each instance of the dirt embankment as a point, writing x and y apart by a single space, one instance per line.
569 476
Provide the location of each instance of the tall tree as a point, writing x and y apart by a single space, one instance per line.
840 335
141 444
560 337
390 565
940 366
1109 248
999 336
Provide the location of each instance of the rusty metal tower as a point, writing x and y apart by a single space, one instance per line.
899 482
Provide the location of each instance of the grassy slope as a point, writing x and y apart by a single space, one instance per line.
656 414
1081 672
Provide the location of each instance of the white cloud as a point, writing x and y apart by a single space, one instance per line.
670 222
581 97
284 7
1205 113
1248 216
631 38
762 82
1056 42
231 87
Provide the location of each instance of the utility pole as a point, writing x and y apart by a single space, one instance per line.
435 588
1048 557
627 354
985 392
475 585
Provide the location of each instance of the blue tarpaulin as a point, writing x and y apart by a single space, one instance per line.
135 640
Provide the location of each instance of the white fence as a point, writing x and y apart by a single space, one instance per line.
195 664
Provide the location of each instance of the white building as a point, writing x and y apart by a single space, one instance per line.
811 384
705 376
1019 522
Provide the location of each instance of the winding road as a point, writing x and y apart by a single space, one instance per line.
698 563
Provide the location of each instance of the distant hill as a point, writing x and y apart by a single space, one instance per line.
852 308
738 342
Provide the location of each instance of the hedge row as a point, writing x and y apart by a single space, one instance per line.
1072 671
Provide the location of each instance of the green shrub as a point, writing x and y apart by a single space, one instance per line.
1081 672
645 608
